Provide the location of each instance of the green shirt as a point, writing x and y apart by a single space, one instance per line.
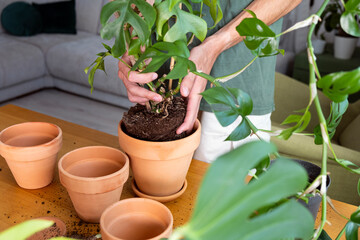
258 79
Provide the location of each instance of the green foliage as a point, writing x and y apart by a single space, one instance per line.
236 103
259 37
127 15
350 18
162 51
226 205
185 22
337 110
302 121
337 16
337 86
25 229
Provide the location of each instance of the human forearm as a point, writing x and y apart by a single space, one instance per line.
269 11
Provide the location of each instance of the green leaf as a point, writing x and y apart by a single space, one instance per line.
242 131
185 22
134 47
337 110
215 11
350 166
227 213
351 231
337 86
350 24
25 229
302 121
355 217
162 51
127 15
349 20
259 37
232 102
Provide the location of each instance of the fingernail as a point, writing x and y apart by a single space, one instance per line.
154 76
185 91
157 98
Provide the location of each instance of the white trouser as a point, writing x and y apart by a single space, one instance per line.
212 143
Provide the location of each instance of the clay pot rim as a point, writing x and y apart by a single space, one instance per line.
121 171
54 140
193 134
141 201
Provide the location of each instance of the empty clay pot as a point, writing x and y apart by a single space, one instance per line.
136 219
94 178
30 150
160 168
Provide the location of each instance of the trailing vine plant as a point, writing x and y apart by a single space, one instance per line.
162 30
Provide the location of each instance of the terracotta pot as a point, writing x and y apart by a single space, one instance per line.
94 178
160 168
30 149
136 219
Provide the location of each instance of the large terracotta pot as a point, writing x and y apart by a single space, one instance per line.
94 178
160 168
136 219
30 150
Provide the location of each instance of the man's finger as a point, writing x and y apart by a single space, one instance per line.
142 77
186 85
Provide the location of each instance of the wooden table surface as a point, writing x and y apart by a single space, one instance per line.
18 205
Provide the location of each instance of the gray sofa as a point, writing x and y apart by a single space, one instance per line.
31 63
57 61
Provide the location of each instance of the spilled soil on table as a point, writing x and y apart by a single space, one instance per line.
142 124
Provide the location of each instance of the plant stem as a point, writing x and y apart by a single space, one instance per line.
312 80
208 77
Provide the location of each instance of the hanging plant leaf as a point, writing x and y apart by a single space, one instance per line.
160 52
185 23
337 110
260 39
351 231
302 121
127 15
337 86
349 20
227 105
228 212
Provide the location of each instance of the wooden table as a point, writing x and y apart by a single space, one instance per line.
19 204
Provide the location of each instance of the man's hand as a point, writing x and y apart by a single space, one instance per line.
204 57
136 93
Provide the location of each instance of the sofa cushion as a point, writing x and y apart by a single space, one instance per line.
25 62
88 15
350 137
68 61
46 41
21 19
57 17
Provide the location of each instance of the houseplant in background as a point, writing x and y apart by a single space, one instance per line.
262 42
335 18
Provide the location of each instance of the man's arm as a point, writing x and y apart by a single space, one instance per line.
205 55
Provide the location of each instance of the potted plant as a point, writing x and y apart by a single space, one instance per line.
335 15
231 212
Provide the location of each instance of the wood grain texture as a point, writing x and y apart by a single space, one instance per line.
19 204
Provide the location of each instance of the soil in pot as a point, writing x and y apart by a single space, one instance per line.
142 124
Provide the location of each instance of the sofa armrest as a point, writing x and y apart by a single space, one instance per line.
343 185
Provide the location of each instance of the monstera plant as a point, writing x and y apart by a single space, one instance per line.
227 207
